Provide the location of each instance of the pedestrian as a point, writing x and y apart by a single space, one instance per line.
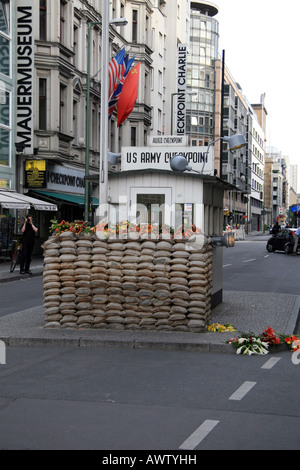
28 230
296 239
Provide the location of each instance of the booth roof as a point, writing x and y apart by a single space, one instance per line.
189 174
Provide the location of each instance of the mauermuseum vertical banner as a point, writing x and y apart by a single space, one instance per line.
181 90
24 74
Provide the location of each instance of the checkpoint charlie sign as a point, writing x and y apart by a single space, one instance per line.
181 90
142 158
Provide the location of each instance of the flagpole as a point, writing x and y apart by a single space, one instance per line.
103 170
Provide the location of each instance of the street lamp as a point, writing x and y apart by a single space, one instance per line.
179 162
105 24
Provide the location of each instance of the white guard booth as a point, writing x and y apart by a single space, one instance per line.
142 188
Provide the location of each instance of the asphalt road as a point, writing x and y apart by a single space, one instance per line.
249 267
20 295
134 400
154 401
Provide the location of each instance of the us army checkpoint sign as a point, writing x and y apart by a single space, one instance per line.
142 158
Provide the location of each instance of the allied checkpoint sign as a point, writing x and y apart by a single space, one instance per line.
142 158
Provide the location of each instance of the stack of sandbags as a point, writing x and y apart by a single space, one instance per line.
99 282
200 278
114 306
68 256
179 285
130 288
51 282
83 270
162 292
127 283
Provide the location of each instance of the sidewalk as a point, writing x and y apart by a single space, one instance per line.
246 311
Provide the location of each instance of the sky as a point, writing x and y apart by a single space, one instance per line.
261 43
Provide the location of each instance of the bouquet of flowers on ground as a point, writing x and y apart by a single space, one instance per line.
249 344
269 336
218 328
292 341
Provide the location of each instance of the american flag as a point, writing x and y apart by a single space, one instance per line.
116 70
114 99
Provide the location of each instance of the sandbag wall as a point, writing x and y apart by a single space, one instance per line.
126 284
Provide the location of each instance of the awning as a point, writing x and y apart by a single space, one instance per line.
71 198
14 200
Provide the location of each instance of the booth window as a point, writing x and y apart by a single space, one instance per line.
151 209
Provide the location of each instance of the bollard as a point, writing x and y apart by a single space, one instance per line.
2 353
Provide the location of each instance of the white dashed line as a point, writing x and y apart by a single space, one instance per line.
242 391
249 260
271 363
194 440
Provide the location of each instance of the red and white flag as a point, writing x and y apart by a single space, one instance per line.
116 70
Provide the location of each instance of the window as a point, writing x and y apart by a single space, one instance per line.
42 104
150 208
133 136
62 22
43 20
5 129
4 16
134 25
62 107
5 55
4 147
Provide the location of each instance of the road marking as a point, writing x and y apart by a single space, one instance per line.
242 391
267 256
271 363
226 265
249 260
194 440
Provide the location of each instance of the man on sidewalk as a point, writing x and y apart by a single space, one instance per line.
29 230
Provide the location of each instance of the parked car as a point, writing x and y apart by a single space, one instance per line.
282 241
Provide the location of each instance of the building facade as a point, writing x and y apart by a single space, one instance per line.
256 168
155 30
7 115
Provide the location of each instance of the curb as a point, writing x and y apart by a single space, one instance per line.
82 342
18 277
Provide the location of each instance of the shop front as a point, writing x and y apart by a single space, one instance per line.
61 185
13 208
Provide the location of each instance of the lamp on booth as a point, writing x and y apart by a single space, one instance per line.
235 142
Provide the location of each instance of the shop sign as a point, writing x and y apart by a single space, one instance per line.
142 158
65 179
35 174
24 73
4 184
